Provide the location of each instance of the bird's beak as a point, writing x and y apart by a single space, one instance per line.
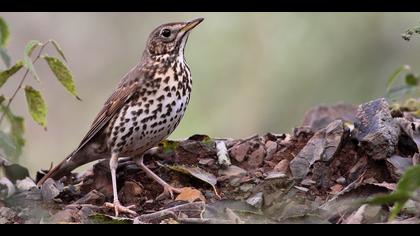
192 24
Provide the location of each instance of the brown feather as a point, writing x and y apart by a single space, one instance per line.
115 102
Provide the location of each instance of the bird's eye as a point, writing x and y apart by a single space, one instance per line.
166 33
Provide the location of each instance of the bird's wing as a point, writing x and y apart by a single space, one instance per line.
114 103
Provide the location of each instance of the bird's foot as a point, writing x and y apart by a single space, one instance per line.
168 191
120 208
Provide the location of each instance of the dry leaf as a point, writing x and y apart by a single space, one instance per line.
336 188
190 195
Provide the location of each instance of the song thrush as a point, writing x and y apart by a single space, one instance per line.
145 108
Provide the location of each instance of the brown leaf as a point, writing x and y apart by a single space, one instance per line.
282 166
390 186
336 188
190 195
356 217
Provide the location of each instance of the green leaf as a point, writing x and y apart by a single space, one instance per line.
29 48
5 57
408 183
58 48
2 98
168 146
411 79
15 132
36 106
62 73
4 75
4 33
7 145
395 75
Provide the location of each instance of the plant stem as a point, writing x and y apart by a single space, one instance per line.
21 83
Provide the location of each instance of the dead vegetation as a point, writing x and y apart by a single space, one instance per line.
320 173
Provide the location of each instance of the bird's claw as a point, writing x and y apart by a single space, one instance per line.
168 191
120 208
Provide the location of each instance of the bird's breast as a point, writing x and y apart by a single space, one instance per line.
153 113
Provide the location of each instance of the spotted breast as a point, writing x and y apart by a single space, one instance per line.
155 110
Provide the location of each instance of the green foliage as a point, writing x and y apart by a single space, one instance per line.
4 33
29 48
58 48
62 73
168 146
36 105
406 186
409 88
4 75
11 140
4 39
11 132
5 57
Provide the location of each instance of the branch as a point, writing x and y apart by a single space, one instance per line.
21 82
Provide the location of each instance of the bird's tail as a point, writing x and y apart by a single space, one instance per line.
70 163
60 170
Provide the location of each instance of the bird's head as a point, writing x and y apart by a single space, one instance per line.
170 39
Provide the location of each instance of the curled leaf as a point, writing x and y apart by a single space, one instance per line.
29 48
58 48
36 106
6 74
62 73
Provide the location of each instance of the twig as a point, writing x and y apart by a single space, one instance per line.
173 211
205 221
21 82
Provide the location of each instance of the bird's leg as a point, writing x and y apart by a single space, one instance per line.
167 189
113 164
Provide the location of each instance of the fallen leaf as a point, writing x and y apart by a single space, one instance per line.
198 173
390 186
356 217
190 195
336 188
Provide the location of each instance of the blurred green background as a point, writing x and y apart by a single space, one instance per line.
252 72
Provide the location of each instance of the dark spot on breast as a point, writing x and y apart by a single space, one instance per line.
166 80
161 98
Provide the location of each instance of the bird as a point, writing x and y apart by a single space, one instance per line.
144 109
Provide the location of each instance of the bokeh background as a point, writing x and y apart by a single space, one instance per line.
252 72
